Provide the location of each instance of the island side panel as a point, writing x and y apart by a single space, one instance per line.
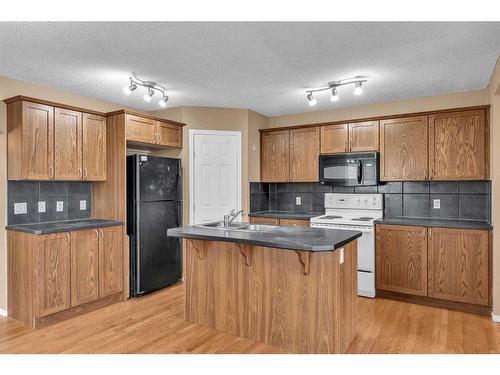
264 294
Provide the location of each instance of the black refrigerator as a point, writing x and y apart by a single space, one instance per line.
154 204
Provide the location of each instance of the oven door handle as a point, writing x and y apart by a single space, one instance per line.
360 171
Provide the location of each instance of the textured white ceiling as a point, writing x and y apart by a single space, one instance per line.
261 66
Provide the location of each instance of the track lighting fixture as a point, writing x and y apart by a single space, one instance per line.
335 96
356 81
151 86
312 100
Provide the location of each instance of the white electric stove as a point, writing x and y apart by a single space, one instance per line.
355 212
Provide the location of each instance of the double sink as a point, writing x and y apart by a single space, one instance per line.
242 227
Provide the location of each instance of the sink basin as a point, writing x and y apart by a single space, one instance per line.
239 226
258 227
220 225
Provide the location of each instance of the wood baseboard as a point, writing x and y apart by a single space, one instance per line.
433 302
75 311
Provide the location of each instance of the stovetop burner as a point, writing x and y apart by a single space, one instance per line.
330 217
364 218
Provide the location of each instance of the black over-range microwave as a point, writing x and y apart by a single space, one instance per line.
349 169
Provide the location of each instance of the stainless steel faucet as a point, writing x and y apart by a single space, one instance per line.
229 218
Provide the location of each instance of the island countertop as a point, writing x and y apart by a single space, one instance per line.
284 237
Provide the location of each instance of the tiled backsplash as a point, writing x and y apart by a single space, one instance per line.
458 199
50 192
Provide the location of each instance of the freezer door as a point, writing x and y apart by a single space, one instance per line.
158 257
159 179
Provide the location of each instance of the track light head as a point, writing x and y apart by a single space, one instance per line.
147 96
128 89
163 101
335 96
358 90
312 100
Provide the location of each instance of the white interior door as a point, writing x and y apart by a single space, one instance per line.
215 174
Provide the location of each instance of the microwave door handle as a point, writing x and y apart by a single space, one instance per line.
360 171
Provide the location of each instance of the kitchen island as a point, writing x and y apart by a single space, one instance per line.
290 287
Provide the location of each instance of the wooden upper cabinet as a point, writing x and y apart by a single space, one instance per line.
110 261
458 146
404 149
363 136
94 147
67 144
334 139
84 266
304 154
140 129
275 156
52 273
30 141
169 135
401 259
459 265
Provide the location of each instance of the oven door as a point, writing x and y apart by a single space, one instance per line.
340 170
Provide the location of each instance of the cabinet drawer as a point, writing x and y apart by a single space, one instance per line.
264 220
304 223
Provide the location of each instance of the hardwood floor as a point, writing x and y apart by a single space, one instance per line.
155 324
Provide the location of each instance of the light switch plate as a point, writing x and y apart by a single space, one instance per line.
298 201
83 205
20 208
41 206
59 206
436 203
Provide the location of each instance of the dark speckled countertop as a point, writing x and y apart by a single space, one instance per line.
436 223
63 226
283 237
286 214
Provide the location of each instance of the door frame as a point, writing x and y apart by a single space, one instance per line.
192 133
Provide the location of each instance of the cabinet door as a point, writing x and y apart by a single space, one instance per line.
303 223
304 154
84 266
275 156
169 135
37 141
52 277
363 136
94 147
67 144
264 220
334 139
140 129
459 265
110 261
458 146
403 149
401 259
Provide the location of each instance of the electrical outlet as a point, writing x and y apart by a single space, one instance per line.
41 206
59 206
20 208
437 203
341 255
83 205
298 201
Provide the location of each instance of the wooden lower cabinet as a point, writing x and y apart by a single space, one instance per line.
444 267
52 266
84 266
401 262
459 265
277 221
56 276
110 261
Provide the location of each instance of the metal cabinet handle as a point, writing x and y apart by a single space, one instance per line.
68 238
51 172
102 233
159 138
84 173
96 234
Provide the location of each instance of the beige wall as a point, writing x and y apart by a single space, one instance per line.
494 100
428 103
